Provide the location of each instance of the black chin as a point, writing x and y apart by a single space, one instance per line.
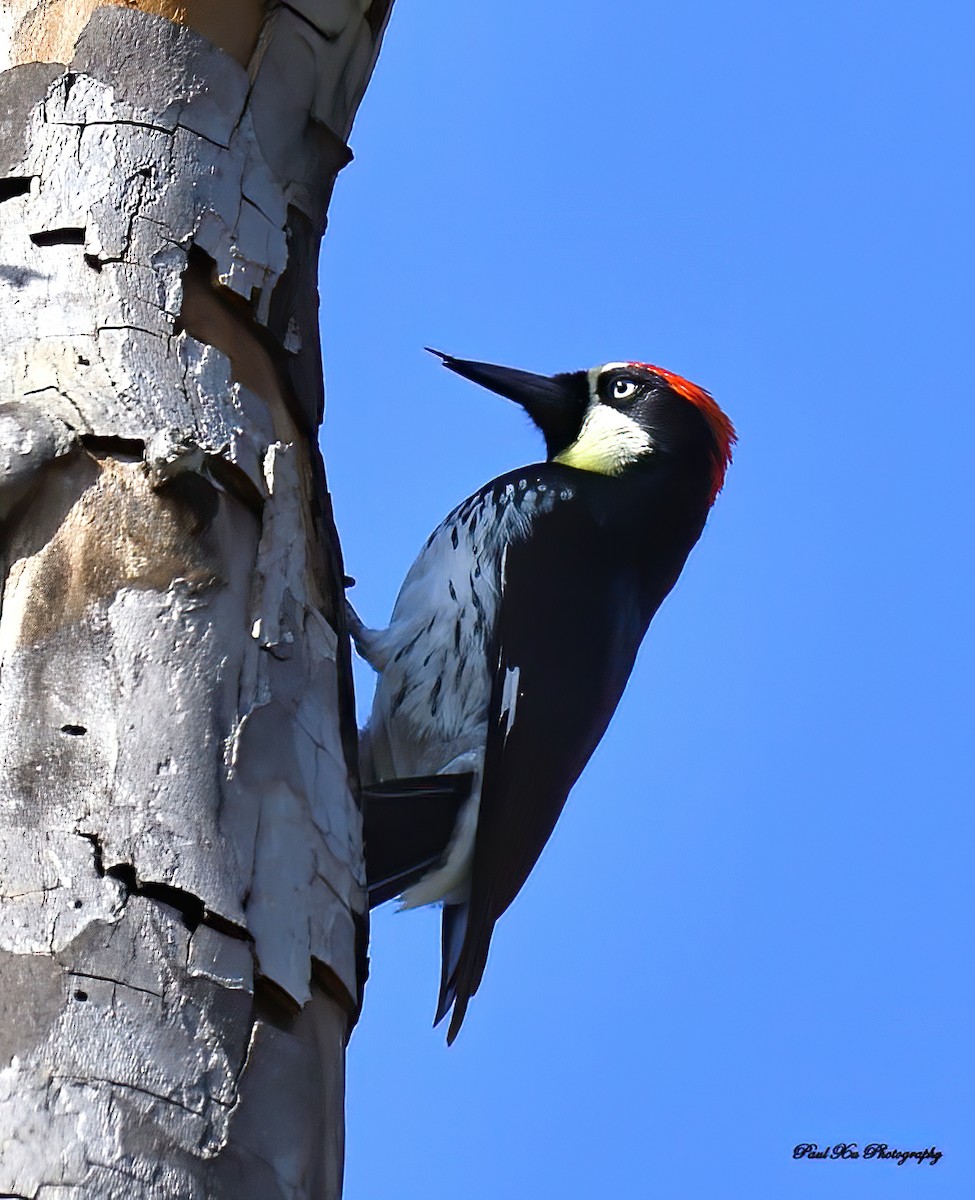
556 403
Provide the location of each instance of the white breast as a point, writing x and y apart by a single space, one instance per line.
435 684
430 711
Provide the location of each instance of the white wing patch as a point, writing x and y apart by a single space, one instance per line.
509 698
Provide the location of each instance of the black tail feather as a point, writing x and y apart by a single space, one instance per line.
453 930
468 973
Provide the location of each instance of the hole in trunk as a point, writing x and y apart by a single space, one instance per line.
16 185
59 237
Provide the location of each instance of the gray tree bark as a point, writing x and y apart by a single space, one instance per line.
182 912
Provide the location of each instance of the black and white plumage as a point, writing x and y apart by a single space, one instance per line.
517 626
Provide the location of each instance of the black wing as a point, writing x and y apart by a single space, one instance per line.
570 624
407 824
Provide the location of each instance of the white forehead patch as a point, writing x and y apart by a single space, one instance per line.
595 373
607 443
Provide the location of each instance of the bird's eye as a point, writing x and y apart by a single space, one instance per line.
624 388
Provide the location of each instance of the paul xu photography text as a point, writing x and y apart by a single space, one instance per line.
875 1150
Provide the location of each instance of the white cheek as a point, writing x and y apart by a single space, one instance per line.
607 443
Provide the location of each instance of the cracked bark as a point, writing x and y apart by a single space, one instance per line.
182 912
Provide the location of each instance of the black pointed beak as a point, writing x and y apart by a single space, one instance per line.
556 403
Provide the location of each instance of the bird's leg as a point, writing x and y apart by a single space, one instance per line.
367 641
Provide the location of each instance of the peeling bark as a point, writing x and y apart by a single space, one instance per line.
182 906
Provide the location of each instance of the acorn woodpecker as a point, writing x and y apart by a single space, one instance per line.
516 629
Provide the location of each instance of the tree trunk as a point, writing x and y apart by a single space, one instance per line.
182 914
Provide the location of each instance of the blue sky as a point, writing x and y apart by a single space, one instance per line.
752 927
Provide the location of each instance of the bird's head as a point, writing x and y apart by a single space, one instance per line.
615 418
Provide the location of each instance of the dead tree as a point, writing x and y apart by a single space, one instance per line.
182 914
